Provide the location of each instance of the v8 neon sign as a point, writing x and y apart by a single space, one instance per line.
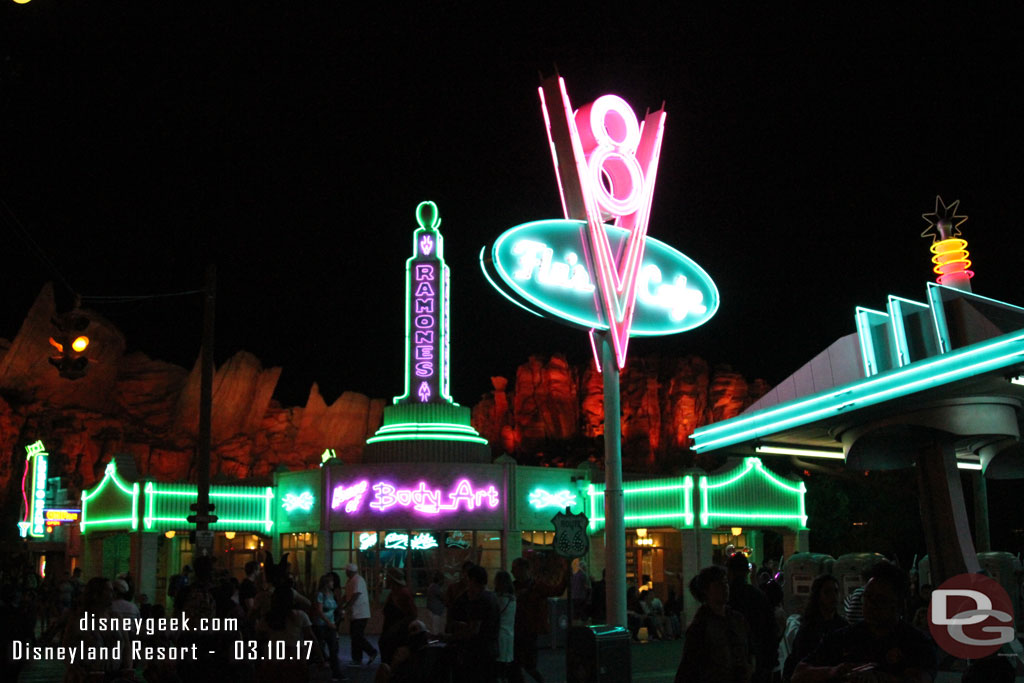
606 163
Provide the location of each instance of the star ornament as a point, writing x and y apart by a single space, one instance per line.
944 221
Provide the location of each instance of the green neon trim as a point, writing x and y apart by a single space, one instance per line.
939 318
427 437
683 511
423 212
427 427
118 520
866 337
749 465
917 376
487 276
688 517
899 331
110 474
675 487
191 492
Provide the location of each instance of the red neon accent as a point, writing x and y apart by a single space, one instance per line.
950 259
623 152
24 476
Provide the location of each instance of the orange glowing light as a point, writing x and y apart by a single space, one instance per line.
951 259
57 345
80 344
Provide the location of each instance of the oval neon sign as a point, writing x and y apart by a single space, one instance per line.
542 266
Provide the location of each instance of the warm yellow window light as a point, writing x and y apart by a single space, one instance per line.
169 534
736 530
230 535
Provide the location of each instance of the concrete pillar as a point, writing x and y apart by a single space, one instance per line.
795 542
144 564
943 511
982 540
92 556
696 556
511 548
755 539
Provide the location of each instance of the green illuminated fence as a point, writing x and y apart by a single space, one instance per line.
656 502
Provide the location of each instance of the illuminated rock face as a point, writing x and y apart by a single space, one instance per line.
558 410
552 412
150 409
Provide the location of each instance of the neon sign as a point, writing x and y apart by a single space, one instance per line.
540 498
423 541
34 494
59 516
616 165
326 455
948 249
122 499
350 497
426 313
597 269
396 541
367 540
303 501
535 266
419 499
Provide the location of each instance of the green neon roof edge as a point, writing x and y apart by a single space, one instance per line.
954 365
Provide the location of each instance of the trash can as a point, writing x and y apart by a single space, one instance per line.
598 654
558 623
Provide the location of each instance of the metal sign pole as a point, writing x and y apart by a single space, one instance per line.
614 509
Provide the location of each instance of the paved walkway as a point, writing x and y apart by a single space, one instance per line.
653 662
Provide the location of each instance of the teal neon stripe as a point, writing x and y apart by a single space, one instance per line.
910 379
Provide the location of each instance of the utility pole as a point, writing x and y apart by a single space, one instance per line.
203 517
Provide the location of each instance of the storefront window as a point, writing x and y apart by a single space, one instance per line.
341 550
303 557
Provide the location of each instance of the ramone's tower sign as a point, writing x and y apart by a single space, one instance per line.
425 424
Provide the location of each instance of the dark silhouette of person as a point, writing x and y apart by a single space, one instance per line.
820 617
716 648
882 647
755 608
532 615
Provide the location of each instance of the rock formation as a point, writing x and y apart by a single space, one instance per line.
150 409
553 413
558 410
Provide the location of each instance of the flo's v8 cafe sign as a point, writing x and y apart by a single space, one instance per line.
597 268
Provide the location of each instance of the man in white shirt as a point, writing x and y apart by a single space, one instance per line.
358 602
121 607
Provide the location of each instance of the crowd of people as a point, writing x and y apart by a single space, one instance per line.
879 634
468 632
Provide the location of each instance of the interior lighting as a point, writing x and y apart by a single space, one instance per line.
968 465
1018 380
736 530
799 452
230 535
169 533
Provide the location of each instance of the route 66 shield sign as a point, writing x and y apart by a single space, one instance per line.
571 538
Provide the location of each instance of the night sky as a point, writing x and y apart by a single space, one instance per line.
290 144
